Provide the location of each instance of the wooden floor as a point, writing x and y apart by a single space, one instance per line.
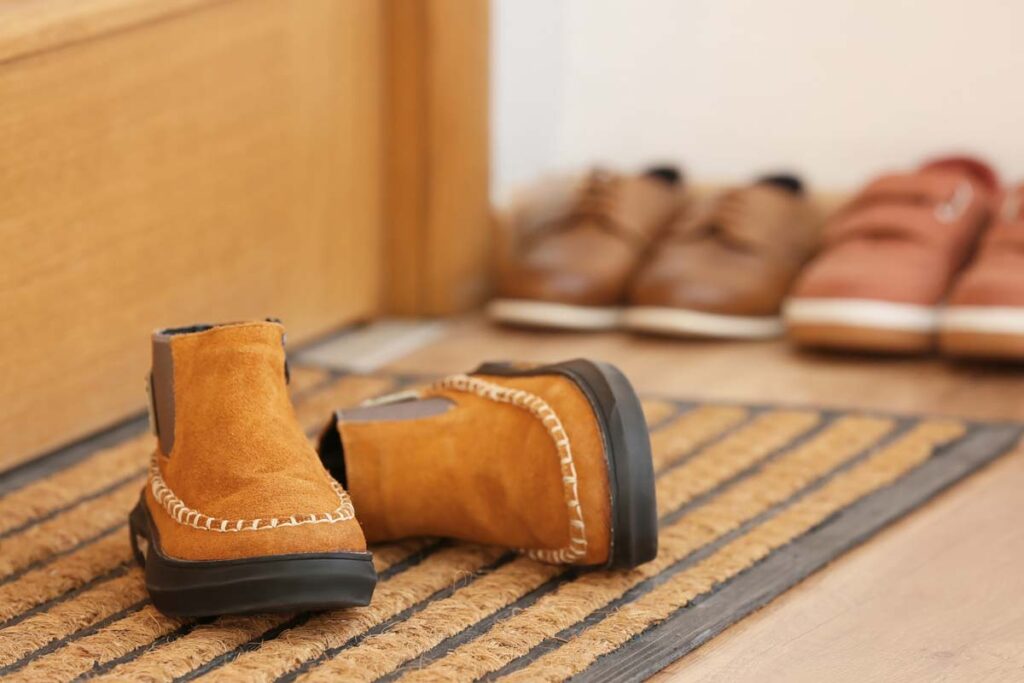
938 596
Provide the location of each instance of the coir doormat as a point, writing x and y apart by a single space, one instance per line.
751 498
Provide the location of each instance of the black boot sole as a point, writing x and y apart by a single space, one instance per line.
627 443
276 583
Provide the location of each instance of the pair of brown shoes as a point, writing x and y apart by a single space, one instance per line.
242 514
932 257
639 252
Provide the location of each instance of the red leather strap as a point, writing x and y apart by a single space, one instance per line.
1008 231
924 208
895 221
910 188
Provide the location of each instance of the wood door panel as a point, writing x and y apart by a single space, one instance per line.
437 257
219 164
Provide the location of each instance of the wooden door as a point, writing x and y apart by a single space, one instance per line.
177 161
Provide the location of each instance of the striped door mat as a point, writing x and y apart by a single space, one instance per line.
751 500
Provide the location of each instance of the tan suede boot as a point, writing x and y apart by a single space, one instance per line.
238 514
553 460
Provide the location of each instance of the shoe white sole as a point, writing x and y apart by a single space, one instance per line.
983 319
995 332
862 324
554 315
689 323
862 313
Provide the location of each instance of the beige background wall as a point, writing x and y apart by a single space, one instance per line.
836 89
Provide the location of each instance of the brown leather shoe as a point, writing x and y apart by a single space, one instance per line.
238 514
984 317
724 269
552 460
890 257
575 258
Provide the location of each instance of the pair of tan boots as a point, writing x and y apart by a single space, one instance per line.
242 514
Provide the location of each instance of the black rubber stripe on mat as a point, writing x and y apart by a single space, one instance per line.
401 616
117 571
222 659
701 553
254 643
681 459
680 408
14 576
183 630
485 624
692 626
55 645
134 474
826 421
660 644
273 632
55 461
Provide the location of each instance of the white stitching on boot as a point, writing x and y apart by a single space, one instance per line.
181 513
577 547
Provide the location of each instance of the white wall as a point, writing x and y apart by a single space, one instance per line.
834 89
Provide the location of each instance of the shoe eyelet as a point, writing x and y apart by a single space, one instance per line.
954 207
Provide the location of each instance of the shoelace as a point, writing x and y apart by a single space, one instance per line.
598 198
726 220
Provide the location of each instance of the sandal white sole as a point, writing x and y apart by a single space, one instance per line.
983 319
993 332
862 324
862 313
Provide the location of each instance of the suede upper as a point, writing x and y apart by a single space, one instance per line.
488 470
239 457
996 276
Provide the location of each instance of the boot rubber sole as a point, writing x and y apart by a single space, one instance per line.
634 530
276 583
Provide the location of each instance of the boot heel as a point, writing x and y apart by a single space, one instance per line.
630 467
138 531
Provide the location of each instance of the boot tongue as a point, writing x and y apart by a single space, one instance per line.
188 329
269 329
273 323
248 356
239 451
964 165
